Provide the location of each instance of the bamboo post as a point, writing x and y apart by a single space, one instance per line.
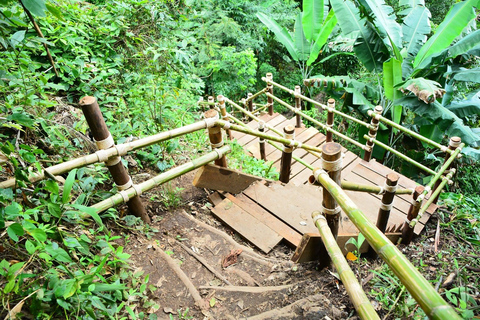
330 107
298 105
407 231
390 189
270 90
215 136
453 144
201 104
261 141
211 102
223 110
286 161
372 133
358 297
104 140
250 102
332 163
421 290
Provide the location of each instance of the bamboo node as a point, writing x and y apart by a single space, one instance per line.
217 145
332 165
102 155
113 161
455 142
125 196
386 207
121 149
126 185
427 189
336 210
138 189
443 148
227 124
390 189
317 217
219 152
105 143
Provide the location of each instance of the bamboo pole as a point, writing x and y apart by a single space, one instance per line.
250 102
201 104
422 291
386 205
117 150
286 160
256 95
215 135
211 102
332 163
355 291
400 155
360 187
269 78
290 142
431 200
298 106
408 131
104 140
321 125
304 98
407 231
261 141
330 108
372 133
223 111
453 144
124 195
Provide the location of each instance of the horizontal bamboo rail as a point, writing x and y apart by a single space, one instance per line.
118 150
255 95
409 132
323 126
432 198
360 300
352 186
400 155
422 291
324 107
125 195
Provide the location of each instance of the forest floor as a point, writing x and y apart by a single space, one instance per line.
255 285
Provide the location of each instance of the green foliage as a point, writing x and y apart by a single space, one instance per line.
238 159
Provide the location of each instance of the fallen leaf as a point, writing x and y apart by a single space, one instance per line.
212 302
351 256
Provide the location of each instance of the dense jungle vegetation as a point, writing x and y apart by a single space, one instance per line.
148 62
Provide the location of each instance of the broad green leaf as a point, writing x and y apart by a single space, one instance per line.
369 47
55 11
39 235
385 21
324 33
36 7
90 211
302 46
466 108
416 27
54 209
426 90
15 230
67 188
57 253
312 18
392 75
30 247
467 75
410 4
465 45
452 26
282 34
17 38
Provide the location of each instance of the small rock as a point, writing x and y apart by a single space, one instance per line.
194 275
149 246
240 304
169 310
449 281
432 269
303 223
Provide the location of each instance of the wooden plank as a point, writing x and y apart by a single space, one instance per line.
218 178
285 205
246 225
254 125
215 198
273 154
244 202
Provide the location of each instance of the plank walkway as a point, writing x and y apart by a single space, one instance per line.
292 204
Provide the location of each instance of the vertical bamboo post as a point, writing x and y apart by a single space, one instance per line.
387 201
215 136
223 110
286 161
372 133
453 144
104 140
261 128
211 102
330 107
200 103
270 90
298 105
407 231
250 102
332 163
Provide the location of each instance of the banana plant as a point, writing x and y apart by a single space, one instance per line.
313 26
401 56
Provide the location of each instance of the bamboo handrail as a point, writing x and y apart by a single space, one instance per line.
432 197
422 291
118 150
123 196
409 132
400 155
324 107
323 126
360 300
254 95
